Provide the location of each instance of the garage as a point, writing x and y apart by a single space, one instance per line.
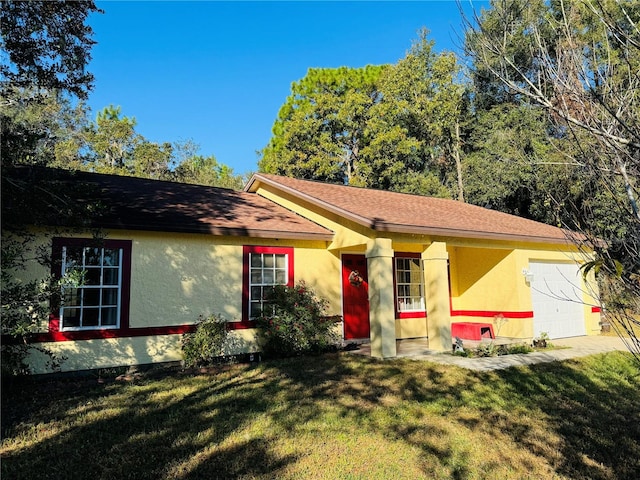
557 299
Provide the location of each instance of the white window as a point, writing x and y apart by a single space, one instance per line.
409 285
266 271
94 300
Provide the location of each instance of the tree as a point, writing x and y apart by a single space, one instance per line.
579 61
207 171
394 127
152 160
424 103
46 48
48 45
322 127
113 141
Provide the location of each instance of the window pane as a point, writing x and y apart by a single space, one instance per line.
110 276
255 309
93 256
268 261
281 277
256 260
256 293
90 317
91 297
111 257
268 277
71 297
92 276
70 317
109 296
281 261
73 256
256 276
110 316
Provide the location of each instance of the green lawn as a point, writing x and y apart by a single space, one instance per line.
338 416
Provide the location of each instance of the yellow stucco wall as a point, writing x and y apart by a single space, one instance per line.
348 234
191 275
115 352
411 327
175 278
492 281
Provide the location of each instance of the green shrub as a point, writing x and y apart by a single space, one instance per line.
487 350
518 348
294 322
205 345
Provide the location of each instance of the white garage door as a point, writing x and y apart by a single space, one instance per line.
557 300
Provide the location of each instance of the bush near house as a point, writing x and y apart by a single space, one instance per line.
205 345
294 322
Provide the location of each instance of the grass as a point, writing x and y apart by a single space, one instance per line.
335 416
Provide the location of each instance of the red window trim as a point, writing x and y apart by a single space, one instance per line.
401 315
54 334
246 250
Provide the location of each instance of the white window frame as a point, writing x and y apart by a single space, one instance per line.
263 272
101 287
416 303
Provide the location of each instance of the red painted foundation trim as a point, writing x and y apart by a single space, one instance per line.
490 314
57 336
596 309
244 324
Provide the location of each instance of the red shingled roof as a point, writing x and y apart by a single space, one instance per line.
141 204
405 213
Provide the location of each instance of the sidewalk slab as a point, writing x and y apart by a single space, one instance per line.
566 348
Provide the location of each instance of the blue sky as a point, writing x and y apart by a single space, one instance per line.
218 72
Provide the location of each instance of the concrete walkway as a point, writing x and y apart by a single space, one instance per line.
567 348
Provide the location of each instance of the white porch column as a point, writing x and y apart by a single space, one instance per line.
436 282
381 298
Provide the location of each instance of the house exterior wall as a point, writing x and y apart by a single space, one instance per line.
488 285
485 276
175 278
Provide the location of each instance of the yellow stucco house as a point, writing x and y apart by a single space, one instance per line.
393 266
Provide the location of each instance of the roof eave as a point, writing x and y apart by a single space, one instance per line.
452 232
221 231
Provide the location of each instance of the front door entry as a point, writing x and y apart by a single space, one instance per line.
355 297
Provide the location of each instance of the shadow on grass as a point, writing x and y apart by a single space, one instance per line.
225 425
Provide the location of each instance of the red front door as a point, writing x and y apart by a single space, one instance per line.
355 297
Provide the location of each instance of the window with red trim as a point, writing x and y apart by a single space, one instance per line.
409 283
95 297
264 267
